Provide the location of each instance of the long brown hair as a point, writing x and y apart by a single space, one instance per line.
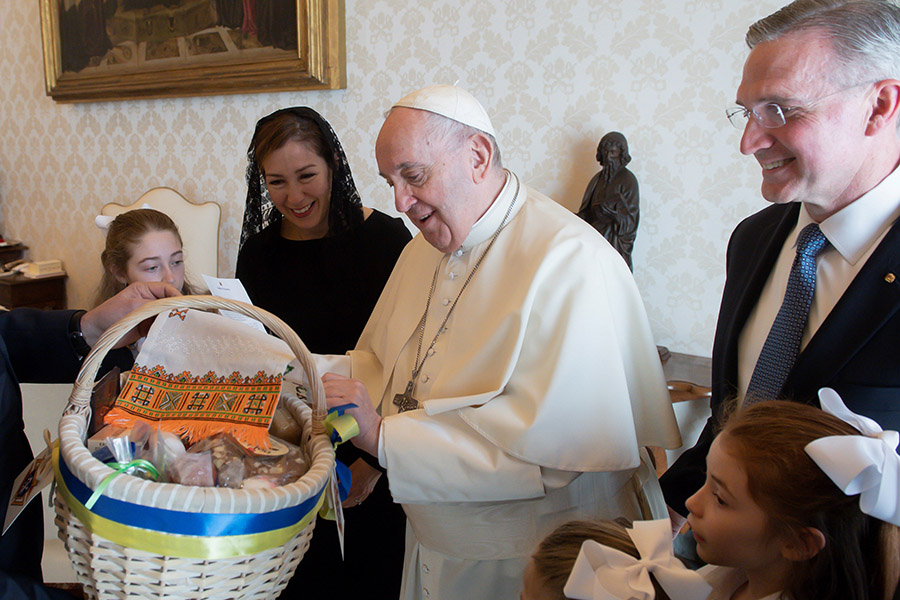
125 232
555 555
861 557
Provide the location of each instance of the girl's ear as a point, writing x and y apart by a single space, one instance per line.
120 277
808 542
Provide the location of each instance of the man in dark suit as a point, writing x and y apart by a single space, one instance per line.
819 102
44 347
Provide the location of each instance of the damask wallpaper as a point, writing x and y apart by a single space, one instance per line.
555 76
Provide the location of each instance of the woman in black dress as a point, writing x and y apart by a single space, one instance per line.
313 255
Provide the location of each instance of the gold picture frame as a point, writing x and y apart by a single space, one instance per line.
141 54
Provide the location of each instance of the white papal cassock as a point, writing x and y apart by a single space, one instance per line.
536 399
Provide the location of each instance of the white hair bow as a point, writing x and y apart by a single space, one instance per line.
865 464
603 573
103 221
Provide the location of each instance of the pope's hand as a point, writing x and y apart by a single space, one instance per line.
363 480
343 390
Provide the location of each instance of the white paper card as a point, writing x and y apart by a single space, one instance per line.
232 289
36 476
334 498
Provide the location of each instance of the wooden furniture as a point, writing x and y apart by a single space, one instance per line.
12 252
688 377
45 292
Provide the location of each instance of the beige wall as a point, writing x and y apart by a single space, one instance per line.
554 75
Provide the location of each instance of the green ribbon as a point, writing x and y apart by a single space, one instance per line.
137 464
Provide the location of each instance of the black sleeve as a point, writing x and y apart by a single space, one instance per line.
12 586
38 345
687 474
399 238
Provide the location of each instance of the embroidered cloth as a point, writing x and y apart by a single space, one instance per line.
199 374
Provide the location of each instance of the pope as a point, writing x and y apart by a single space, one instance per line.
507 379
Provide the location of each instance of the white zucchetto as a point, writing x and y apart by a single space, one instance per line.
452 102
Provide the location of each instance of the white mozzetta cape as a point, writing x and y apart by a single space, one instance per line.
546 370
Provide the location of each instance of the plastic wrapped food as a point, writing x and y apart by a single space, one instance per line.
227 458
193 469
259 482
164 449
284 464
284 425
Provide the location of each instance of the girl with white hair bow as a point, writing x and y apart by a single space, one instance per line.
799 504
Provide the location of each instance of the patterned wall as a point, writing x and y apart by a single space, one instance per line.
555 76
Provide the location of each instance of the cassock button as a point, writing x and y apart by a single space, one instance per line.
890 277
426 379
446 301
426 569
430 351
452 275
425 592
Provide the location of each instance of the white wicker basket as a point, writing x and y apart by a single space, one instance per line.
109 569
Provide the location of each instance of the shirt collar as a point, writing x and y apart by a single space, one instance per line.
853 229
485 227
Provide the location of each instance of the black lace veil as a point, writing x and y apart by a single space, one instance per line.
345 211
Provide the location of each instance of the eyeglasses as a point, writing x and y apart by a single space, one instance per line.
771 114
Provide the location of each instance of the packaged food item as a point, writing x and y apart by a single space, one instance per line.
98 440
140 436
119 451
163 449
281 469
103 398
193 469
259 482
284 425
227 458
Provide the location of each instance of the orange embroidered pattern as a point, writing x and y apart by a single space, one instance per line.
198 406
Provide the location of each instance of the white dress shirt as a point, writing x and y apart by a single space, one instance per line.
853 233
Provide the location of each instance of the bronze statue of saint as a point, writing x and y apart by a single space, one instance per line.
610 201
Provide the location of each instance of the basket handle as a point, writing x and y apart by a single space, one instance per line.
80 399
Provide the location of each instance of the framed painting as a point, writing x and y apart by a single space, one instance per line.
127 49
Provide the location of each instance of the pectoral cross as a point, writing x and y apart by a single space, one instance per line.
405 400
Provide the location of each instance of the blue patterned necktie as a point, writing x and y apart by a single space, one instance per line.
783 343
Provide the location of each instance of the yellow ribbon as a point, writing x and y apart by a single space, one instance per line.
184 546
346 428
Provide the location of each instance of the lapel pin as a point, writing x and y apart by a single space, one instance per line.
890 277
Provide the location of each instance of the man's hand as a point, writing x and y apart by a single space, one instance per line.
363 480
343 390
96 321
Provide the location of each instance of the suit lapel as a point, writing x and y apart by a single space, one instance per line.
749 286
868 302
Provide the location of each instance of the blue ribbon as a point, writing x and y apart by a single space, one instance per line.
185 523
344 477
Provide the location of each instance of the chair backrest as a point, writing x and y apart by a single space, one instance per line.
198 225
